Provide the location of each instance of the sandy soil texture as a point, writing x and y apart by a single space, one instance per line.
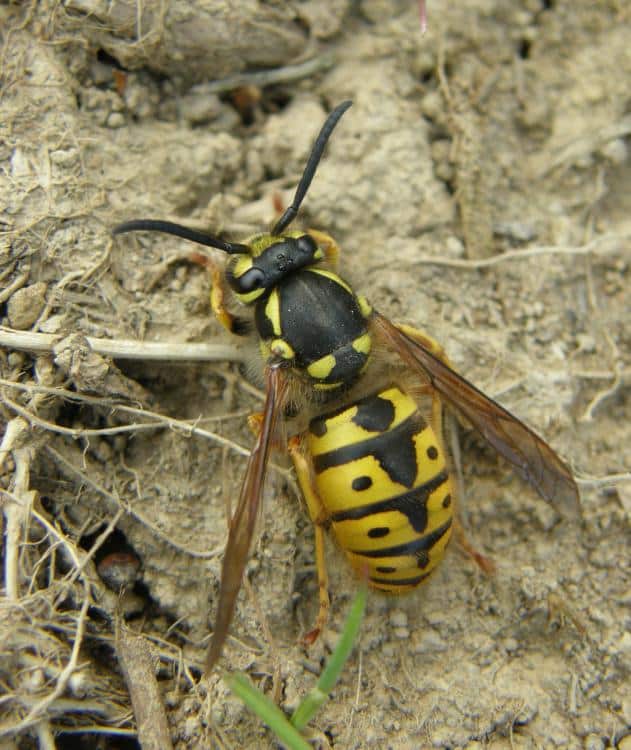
480 189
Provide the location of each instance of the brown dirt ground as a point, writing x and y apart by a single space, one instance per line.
480 188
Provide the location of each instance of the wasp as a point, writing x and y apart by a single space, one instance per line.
371 462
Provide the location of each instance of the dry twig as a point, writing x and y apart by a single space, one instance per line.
150 351
139 672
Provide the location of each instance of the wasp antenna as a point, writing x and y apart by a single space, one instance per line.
314 159
169 227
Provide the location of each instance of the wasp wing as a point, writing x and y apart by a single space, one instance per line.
532 458
244 519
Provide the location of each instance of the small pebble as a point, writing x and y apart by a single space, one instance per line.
15 359
401 633
511 645
115 120
398 618
593 742
615 151
119 569
432 105
26 305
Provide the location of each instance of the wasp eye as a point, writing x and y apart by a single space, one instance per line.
252 279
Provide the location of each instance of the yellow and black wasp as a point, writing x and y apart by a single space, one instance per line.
371 463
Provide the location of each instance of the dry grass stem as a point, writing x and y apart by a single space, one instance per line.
138 667
127 349
39 709
261 78
603 245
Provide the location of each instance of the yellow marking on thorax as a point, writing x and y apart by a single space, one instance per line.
272 312
321 368
326 386
363 344
281 348
333 276
364 306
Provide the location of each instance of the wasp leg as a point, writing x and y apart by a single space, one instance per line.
230 322
254 422
485 563
328 245
320 520
482 561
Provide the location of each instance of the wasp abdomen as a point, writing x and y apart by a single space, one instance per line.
381 474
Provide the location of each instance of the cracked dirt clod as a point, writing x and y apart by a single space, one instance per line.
25 305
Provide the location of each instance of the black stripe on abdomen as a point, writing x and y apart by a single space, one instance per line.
400 464
412 504
418 548
413 581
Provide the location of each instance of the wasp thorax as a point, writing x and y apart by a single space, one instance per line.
270 260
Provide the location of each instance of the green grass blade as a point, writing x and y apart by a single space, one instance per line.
267 711
316 697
